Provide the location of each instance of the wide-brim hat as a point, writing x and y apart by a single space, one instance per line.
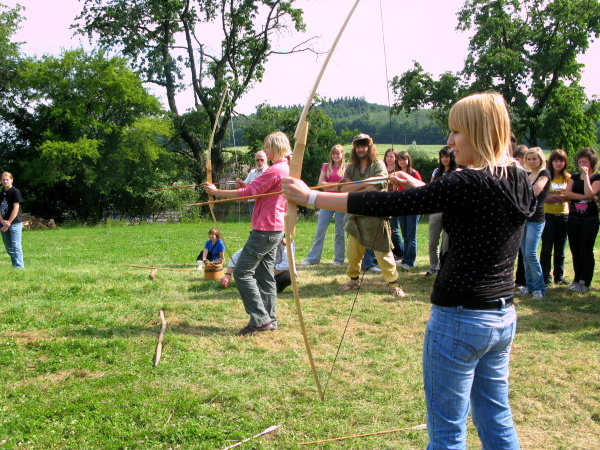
362 138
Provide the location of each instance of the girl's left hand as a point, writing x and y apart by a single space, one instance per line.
210 188
295 191
401 178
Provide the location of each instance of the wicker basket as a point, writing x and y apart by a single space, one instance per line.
213 271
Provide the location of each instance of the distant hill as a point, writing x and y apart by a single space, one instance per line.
355 113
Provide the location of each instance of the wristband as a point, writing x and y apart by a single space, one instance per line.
312 198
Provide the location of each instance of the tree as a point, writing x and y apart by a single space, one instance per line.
527 50
9 51
321 135
91 136
171 42
9 62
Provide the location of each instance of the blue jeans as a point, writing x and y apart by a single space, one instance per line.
582 232
254 276
12 242
408 225
465 366
534 279
554 237
250 208
368 260
396 238
339 246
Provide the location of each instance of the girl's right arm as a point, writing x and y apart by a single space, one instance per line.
322 177
570 195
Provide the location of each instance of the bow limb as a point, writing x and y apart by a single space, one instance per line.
308 103
292 209
290 225
209 179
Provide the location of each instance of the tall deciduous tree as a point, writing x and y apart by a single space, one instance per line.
172 42
9 62
9 50
92 135
321 135
527 50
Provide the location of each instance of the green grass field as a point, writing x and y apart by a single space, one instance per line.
79 331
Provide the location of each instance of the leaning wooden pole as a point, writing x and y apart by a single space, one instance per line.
161 336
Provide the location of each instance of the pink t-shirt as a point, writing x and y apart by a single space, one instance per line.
333 177
268 211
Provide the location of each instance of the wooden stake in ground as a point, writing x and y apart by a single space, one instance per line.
161 336
154 270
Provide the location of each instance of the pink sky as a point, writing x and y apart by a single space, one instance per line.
423 31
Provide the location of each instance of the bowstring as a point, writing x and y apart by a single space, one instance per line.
387 78
348 320
376 234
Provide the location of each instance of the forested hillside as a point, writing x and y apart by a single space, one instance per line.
352 113
356 113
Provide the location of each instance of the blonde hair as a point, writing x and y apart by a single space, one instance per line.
540 154
484 120
278 144
342 168
8 174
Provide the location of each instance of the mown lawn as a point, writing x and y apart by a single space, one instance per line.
79 331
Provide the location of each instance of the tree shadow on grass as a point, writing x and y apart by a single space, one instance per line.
202 330
563 311
111 332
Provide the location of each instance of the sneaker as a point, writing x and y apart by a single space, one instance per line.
561 282
307 263
582 288
396 290
374 269
573 286
429 274
405 267
349 285
537 295
337 263
523 291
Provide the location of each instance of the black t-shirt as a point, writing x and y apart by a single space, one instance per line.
7 202
483 215
539 215
583 208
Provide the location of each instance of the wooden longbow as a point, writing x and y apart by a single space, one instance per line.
291 215
209 169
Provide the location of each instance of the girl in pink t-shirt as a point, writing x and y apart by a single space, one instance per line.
331 173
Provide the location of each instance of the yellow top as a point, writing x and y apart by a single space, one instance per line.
557 186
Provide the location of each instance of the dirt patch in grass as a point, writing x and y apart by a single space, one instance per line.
51 380
29 337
